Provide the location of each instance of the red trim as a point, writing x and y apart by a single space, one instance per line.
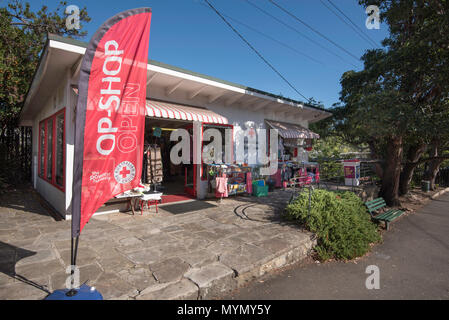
45 149
54 139
39 165
195 166
181 112
201 150
190 191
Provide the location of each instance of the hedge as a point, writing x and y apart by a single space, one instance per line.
340 221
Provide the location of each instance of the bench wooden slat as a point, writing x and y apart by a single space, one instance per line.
375 201
375 204
396 215
387 213
375 208
387 216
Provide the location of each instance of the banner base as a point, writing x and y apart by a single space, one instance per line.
85 292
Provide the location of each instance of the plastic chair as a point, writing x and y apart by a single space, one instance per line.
149 199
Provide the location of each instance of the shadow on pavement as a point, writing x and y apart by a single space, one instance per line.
10 255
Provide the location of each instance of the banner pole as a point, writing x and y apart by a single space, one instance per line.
73 253
76 250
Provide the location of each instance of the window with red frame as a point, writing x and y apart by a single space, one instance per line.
52 149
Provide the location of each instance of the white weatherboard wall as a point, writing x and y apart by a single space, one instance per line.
70 144
57 102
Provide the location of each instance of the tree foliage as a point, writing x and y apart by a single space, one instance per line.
22 38
398 104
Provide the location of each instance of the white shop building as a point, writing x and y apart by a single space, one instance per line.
176 98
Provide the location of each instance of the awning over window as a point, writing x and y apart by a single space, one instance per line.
292 131
165 110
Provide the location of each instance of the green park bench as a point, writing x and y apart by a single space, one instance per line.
387 216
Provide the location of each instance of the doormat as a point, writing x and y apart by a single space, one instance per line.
176 198
180 208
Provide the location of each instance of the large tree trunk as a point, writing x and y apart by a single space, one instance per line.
414 153
392 171
433 165
434 168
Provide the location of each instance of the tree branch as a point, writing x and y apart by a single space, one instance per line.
428 159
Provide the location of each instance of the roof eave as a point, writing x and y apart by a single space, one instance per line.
80 47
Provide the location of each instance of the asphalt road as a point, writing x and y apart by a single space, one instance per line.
413 263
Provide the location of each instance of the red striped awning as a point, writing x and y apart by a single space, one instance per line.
166 110
292 131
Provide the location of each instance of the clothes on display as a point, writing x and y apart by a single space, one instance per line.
153 163
221 189
237 179
249 185
294 174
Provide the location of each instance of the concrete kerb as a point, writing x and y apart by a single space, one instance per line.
291 256
440 193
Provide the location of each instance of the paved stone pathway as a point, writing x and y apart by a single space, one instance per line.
196 255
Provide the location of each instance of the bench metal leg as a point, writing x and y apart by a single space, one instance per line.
387 225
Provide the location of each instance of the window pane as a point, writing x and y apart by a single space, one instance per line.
60 149
49 149
42 149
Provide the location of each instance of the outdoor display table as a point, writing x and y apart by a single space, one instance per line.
132 198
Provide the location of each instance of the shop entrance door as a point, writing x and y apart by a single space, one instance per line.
178 181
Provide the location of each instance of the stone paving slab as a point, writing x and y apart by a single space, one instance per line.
169 270
181 290
196 255
213 280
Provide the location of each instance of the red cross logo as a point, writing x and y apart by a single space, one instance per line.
124 172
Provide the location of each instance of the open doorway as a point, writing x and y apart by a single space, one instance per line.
176 182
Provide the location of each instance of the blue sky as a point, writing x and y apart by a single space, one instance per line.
187 34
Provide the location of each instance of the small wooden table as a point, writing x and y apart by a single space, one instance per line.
132 197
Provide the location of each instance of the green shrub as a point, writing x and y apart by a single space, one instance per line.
340 221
